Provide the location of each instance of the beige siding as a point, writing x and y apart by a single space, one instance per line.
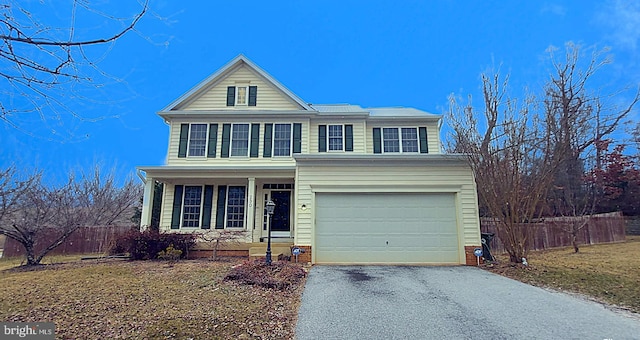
269 97
433 138
174 141
167 207
387 179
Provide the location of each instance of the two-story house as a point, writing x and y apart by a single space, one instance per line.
351 185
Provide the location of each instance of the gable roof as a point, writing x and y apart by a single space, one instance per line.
224 72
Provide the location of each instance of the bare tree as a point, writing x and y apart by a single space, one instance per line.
529 159
579 119
216 238
12 188
48 60
509 151
41 217
635 139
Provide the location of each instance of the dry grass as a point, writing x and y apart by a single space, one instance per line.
133 300
606 272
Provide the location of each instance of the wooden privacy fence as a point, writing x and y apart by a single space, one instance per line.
552 232
85 240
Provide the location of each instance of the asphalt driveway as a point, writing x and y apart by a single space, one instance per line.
380 302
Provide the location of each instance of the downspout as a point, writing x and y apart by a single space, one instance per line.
141 176
440 122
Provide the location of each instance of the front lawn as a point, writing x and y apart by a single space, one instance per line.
606 272
132 300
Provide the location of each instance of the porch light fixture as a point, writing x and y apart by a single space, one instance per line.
271 207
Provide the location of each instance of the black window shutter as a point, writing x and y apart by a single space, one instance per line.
253 95
213 140
177 207
222 197
348 138
184 139
297 138
424 146
322 138
206 207
377 141
255 140
226 140
231 95
268 131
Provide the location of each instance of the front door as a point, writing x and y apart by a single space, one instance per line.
281 220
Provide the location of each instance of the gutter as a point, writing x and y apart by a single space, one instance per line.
142 177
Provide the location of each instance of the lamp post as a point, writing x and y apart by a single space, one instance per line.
270 209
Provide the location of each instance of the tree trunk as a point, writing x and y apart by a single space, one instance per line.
574 241
32 259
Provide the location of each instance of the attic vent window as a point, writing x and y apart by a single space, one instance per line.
242 95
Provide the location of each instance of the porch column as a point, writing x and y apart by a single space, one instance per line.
147 203
251 211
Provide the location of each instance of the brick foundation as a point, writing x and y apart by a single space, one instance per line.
202 253
471 259
304 257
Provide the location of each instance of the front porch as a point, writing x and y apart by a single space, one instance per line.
218 200
221 198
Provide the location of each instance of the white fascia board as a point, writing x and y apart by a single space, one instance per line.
210 172
204 83
276 83
382 160
430 118
236 114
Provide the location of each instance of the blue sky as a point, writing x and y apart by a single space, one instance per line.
370 53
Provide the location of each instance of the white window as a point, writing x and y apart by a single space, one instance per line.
197 140
241 95
335 138
400 140
235 207
410 140
390 140
191 206
240 140
282 140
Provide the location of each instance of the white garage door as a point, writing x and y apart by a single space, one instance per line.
393 228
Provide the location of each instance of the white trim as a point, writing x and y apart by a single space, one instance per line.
248 140
147 202
291 211
226 207
400 146
329 138
273 139
206 140
246 95
184 192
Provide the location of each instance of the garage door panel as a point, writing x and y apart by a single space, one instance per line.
386 228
